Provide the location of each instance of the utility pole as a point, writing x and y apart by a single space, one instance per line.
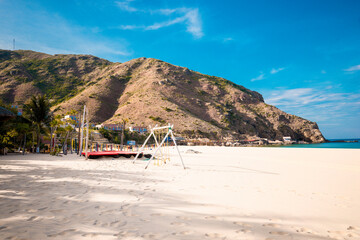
87 134
78 142
82 131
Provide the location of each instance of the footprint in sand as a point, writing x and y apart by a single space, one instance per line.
242 224
118 224
341 234
57 211
11 238
243 231
62 233
274 225
32 211
156 214
210 217
213 235
274 220
99 207
125 206
304 230
129 214
78 215
352 235
183 218
180 224
40 209
89 234
182 233
2 227
32 218
126 234
149 235
279 233
107 211
351 228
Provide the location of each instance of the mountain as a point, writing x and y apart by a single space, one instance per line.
148 91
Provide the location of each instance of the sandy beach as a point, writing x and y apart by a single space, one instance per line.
225 193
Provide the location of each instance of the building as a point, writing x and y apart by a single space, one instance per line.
119 127
114 127
66 120
287 139
139 129
19 110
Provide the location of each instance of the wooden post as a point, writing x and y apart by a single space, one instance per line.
24 147
87 134
78 142
82 131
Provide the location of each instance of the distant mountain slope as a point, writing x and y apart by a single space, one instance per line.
148 91
24 73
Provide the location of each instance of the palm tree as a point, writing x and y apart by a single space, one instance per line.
38 112
54 124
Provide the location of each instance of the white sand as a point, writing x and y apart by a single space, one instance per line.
226 193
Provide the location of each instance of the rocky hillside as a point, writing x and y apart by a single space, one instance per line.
147 92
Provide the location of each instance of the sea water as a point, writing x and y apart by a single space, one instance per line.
330 144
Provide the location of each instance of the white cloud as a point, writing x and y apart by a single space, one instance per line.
37 32
164 11
315 104
130 27
157 26
190 17
258 78
353 68
276 70
194 24
125 6
228 39
262 75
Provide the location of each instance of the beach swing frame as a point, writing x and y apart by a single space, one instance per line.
158 146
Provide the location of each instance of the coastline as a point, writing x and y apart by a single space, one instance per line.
232 193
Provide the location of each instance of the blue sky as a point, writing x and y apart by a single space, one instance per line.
303 56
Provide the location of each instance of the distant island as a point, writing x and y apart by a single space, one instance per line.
344 141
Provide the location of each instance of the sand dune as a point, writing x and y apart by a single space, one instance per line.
225 193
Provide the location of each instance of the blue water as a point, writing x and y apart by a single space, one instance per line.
329 144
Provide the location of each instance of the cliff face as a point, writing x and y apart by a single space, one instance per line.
148 92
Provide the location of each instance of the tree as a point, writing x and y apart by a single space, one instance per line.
54 124
72 122
123 122
38 112
13 128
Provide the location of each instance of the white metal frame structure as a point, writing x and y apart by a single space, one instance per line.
158 146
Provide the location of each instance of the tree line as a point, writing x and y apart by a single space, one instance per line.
38 124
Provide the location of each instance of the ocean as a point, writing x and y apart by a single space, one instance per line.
330 144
